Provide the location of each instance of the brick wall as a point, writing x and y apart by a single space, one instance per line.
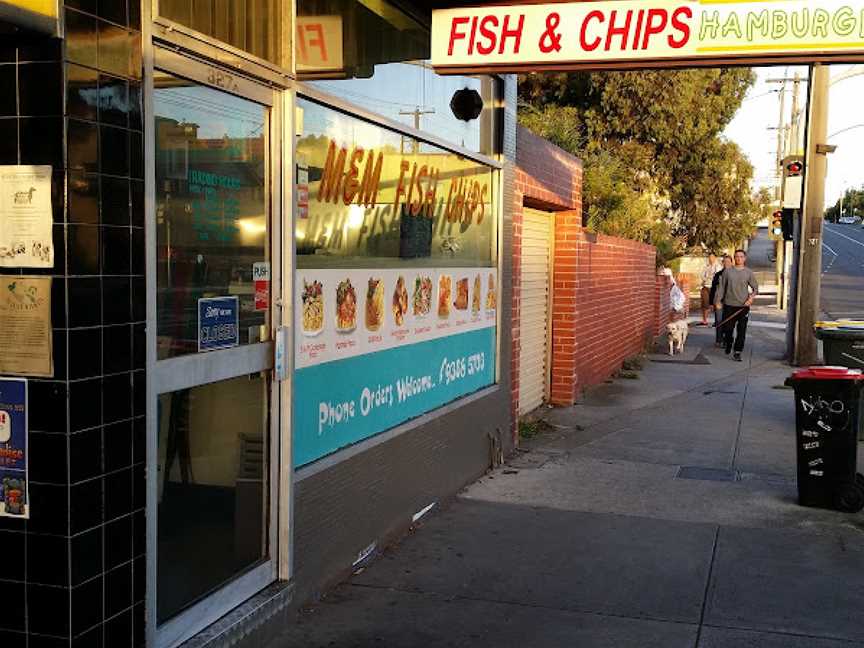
609 308
608 301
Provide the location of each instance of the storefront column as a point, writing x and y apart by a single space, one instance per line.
75 569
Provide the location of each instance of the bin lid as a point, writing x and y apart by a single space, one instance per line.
842 332
828 373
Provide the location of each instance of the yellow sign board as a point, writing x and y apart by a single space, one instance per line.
40 15
626 33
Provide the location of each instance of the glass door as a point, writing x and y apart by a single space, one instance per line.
217 403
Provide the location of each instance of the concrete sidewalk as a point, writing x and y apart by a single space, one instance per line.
606 531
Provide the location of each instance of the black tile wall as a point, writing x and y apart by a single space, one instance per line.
75 571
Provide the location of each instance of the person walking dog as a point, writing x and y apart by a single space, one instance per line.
735 294
718 316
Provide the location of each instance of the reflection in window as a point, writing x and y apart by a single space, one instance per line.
211 209
249 25
374 56
213 467
377 198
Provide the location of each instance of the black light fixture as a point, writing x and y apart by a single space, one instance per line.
466 104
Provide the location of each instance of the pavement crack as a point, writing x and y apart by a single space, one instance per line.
523 604
737 445
707 588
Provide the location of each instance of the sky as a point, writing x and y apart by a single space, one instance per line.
760 112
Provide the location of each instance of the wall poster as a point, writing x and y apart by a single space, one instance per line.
26 217
25 326
14 493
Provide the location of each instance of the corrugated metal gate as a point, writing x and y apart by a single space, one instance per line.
534 320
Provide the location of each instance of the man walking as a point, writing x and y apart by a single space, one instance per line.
735 293
712 267
712 295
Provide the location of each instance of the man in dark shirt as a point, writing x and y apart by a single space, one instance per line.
735 293
718 317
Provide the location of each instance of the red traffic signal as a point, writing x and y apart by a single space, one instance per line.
794 168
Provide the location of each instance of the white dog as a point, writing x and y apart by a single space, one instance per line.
676 332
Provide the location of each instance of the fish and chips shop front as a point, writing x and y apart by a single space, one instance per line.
399 349
266 305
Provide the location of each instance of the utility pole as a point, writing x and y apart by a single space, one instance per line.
780 129
809 259
794 133
417 113
780 245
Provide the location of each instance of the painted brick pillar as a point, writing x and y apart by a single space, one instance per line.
565 306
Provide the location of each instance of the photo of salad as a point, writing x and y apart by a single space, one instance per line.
445 286
374 304
346 307
476 295
313 307
422 296
400 302
491 298
461 301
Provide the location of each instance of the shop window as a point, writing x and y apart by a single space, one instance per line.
252 26
374 56
397 280
212 489
377 198
211 212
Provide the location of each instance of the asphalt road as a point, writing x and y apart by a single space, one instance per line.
843 271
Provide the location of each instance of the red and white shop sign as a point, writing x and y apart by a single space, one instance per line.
666 32
319 44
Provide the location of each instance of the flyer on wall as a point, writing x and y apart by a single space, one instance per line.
25 326
26 217
377 347
14 493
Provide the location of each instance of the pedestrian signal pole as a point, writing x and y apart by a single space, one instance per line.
809 239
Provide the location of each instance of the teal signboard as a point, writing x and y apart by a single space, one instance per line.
342 402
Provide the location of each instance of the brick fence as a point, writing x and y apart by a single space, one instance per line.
607 300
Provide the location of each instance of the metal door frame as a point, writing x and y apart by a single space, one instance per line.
196 369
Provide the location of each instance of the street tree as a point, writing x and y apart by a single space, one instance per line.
660 132
852 204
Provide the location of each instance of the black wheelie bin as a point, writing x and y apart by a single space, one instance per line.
828 415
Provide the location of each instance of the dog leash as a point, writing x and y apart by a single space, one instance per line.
730 318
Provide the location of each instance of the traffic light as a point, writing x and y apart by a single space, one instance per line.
794 168
776 229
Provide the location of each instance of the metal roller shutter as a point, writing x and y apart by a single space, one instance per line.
534 312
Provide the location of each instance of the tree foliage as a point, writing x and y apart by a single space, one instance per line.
656 165
852 203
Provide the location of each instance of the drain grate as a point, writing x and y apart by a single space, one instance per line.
707 474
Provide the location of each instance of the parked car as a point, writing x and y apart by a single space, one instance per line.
847 220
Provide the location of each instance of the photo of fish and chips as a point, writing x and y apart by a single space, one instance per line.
461 301
491 297
375 304
476 295
346 307
422 298
445 289
312 307
400 302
